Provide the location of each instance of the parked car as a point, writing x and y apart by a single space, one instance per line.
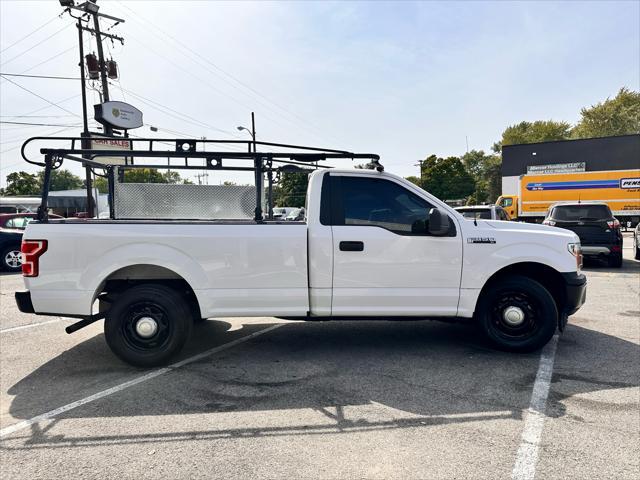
19 221
373 245
280 213
10 257
593 222
484 212
296 215
636 242
11 228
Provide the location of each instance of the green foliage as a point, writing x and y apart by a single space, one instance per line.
22 183
617 116
291 190
61 180
534 132
144 175
446 178
485 169
413 179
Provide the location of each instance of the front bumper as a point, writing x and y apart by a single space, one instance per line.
575 292
23 299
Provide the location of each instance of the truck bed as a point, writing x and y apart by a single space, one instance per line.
230 263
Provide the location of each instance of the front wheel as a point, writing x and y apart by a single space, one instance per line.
12 259
517 314
148 324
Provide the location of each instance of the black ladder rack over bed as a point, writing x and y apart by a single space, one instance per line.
294 158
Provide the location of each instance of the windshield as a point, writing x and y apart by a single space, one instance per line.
574 213
476 213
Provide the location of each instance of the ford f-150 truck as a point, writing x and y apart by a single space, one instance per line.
373 245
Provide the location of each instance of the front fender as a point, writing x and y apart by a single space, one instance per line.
479 265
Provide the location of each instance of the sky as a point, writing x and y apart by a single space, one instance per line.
401 79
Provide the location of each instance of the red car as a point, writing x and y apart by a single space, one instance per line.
11 227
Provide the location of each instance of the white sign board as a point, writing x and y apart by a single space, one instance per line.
118 114
99 143
556 168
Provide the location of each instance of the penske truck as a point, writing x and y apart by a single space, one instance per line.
619 189
537 175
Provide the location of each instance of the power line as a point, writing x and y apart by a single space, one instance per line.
39 96
29 34
188 118
15 148
235 79
37 44
40 124
38 76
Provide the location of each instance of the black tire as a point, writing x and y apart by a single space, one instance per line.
165 307
615 261
636 244
527 297
10 259
637 255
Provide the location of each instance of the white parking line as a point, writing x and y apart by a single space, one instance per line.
31 325
118 388
527 457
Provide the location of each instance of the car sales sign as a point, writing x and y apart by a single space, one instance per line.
103 143
118 114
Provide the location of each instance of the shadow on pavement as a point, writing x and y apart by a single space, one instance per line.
432 373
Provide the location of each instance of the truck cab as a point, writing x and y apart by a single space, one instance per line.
510 205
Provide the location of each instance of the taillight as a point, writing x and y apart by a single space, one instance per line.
31 252
615 224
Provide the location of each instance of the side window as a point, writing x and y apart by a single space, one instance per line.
506 202
382 203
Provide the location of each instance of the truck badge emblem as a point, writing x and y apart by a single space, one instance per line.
481 240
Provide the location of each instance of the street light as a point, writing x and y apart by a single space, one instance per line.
251 132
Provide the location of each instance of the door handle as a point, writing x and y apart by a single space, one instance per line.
352 246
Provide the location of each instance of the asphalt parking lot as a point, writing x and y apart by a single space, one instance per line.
273 399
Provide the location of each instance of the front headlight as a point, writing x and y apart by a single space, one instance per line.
576 251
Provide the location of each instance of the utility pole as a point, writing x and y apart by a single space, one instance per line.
86 142
108 129
90 8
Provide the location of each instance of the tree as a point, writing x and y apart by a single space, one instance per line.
617 116
22 183
533 132
144 175
292 189
446 178
413 179
60 180
486 171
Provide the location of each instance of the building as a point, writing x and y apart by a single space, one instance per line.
564 156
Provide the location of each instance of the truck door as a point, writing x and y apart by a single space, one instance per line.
384 263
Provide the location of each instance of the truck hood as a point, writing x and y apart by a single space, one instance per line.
532 228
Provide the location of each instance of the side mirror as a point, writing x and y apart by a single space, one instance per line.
438 222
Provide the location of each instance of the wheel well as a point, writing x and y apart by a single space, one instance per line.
548 277
120 280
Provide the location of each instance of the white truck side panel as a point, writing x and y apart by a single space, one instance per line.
233 269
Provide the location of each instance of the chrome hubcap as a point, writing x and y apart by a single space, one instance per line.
513 316
146 327
13 259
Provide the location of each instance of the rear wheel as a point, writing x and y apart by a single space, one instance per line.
637 252
517 314
11 259
148 324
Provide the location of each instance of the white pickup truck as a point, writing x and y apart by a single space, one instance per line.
373 245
